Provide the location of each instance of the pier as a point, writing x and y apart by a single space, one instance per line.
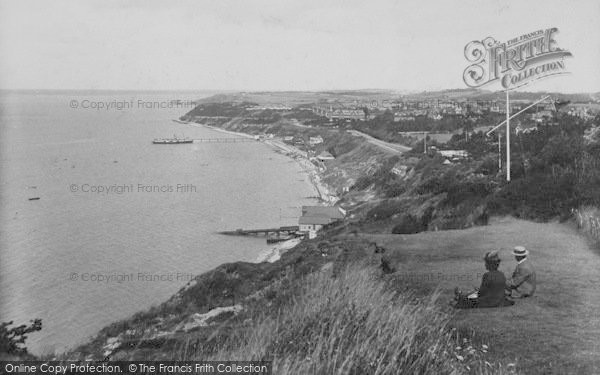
273 235
264 232
224 140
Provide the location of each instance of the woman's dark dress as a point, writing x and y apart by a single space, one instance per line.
491 293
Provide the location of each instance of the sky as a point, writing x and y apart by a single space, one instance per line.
278 45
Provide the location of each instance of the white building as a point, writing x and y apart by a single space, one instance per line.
315 217
325 155
312 223
400 170
454 153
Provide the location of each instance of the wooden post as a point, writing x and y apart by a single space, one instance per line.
507 137
499 152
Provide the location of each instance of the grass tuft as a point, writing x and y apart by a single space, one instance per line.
352 324
588 221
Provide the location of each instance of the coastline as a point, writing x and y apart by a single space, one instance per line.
322 190
196 124
273 253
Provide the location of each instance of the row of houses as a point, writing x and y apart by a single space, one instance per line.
540 113
341 113
455 107
436 110
313 141
272 107
581 112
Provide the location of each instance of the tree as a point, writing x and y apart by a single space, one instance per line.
12 340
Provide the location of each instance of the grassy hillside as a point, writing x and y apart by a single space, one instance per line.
352 323
554 332
325 308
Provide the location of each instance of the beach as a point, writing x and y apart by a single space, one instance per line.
220 130
323 191
273 253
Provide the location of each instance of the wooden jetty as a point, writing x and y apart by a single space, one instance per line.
264 232
224 140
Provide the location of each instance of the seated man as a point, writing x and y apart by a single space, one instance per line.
491 292
523 281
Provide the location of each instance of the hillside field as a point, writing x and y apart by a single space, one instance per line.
556 331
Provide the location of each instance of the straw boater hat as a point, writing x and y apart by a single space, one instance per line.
520 251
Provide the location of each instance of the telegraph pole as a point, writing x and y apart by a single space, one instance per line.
495 128
499 152
507 137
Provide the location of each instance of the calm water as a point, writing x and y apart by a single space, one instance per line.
80 260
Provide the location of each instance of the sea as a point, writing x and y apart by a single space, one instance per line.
121 224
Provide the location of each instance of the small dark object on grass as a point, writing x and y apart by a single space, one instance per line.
386 267
376 248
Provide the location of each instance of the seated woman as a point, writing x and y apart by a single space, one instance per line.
491 292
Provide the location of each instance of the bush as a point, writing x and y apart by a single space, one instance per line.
409 224
363 182
459 191
395 189
12 340
489 165
433 185
588 221
535 197
385 210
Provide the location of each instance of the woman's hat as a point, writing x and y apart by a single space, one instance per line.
520 251
491 256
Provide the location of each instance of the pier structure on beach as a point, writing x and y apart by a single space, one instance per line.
258 232
203 140
273 234
225 140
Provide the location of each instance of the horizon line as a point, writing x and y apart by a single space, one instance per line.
288 90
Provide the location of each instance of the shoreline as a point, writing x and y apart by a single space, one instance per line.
322 190
198 125
273 253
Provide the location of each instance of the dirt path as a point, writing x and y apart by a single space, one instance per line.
387 146
556 331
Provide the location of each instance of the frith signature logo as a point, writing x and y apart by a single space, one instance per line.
515 63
